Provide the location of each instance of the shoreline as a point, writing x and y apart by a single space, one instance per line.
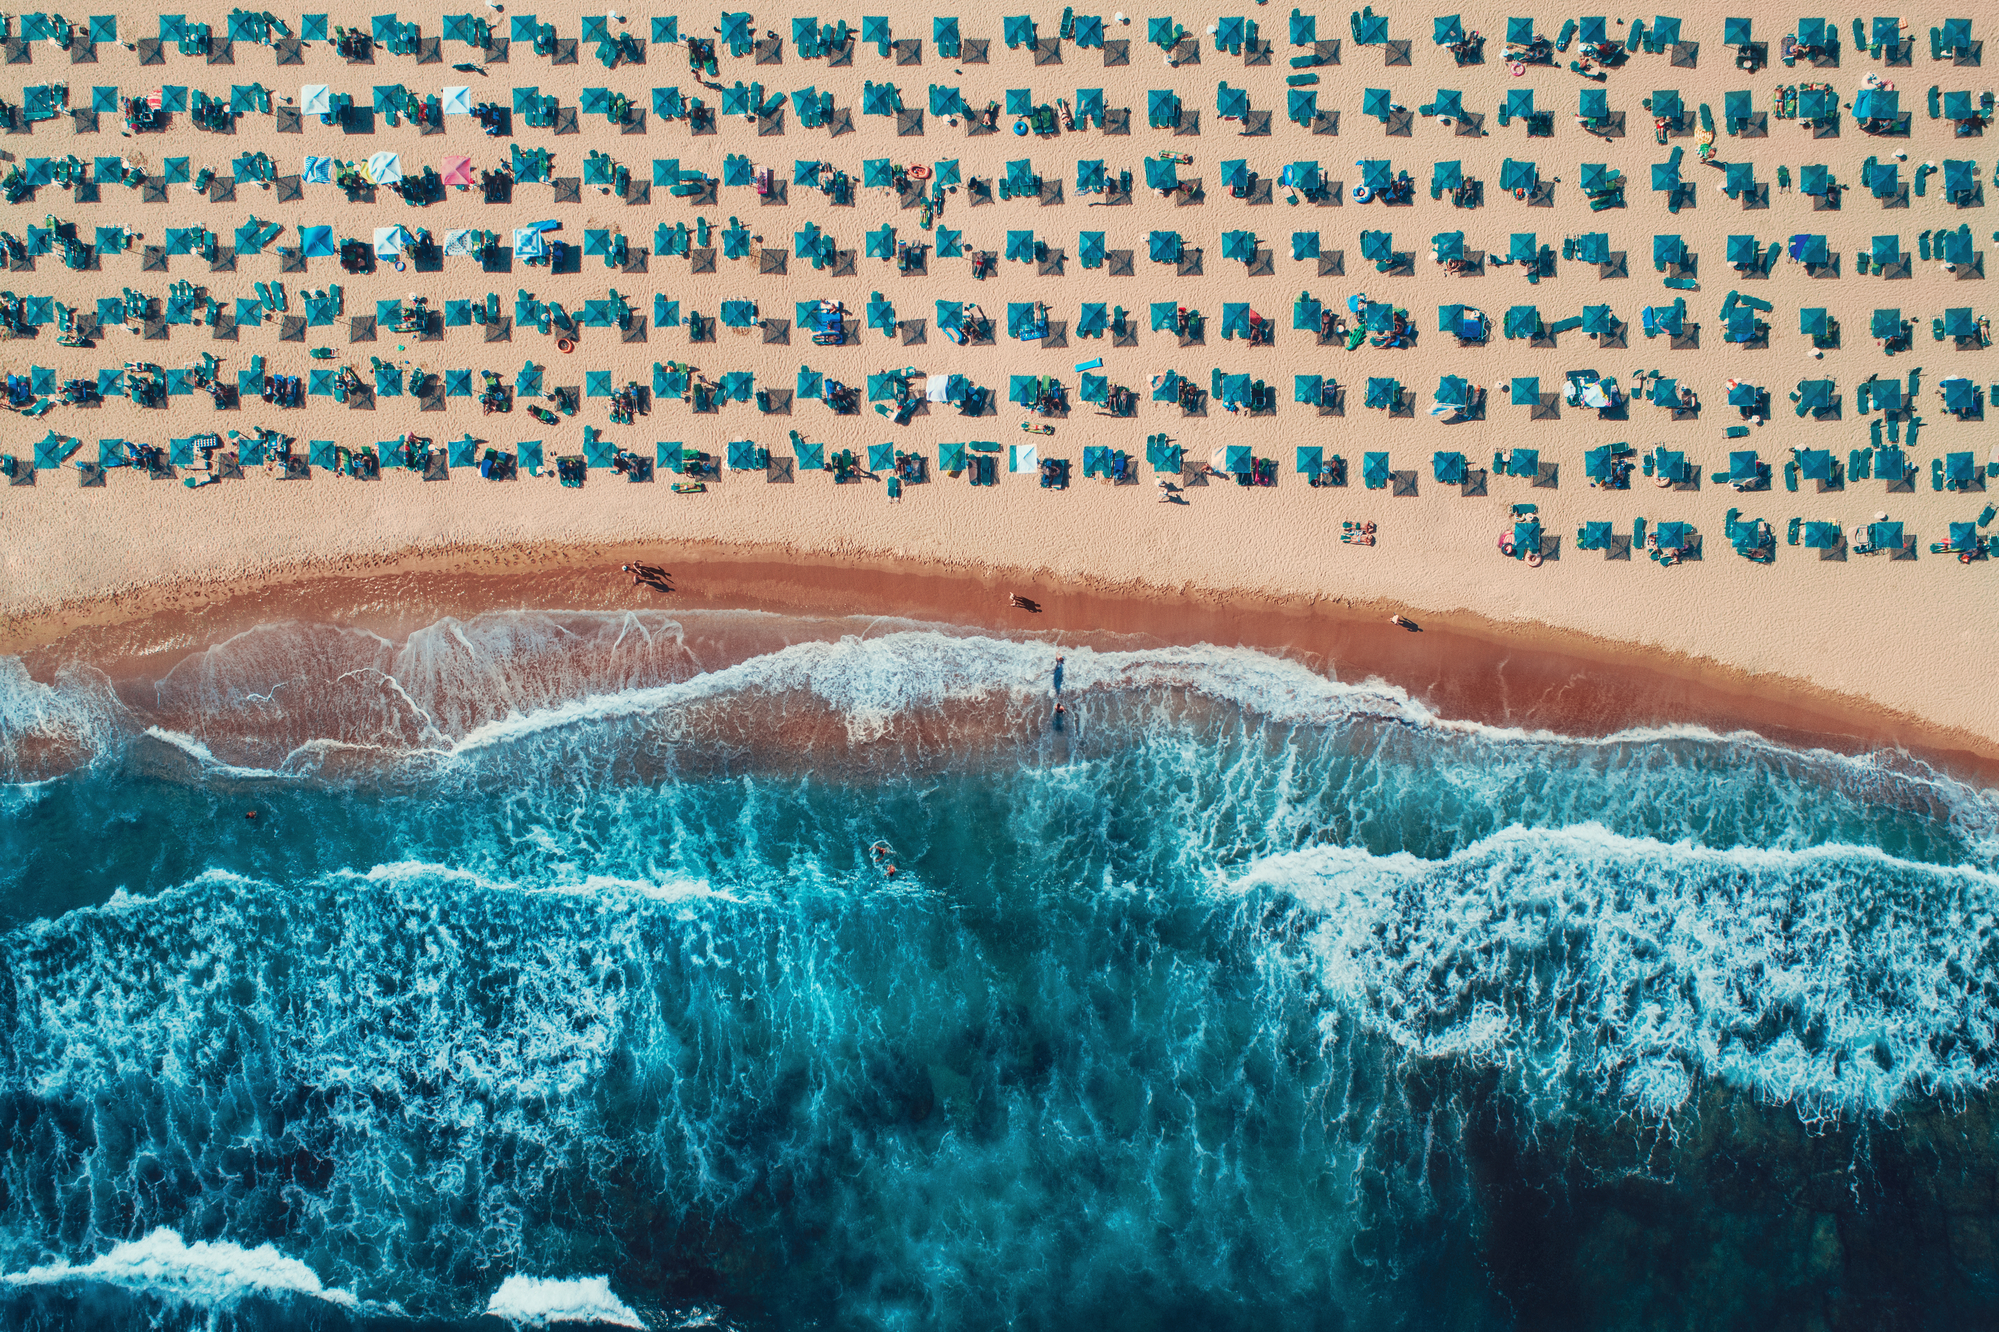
1462 665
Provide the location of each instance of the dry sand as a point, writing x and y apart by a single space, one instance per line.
1912 638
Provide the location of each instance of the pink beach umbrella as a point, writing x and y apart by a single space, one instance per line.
457 171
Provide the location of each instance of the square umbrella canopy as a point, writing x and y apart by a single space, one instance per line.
1231 103
1957 467
1239 245
1525 391
1740 176
1446 176
1887 250
1744 395
1743 465
1519 102
1958 106
1450 102
1370 30
1735 32
1876 104
1665 176
1736 106
1596 178
1593 104
1669 249
1812 250
1524 247
1160 175
1444 30
1597 319
1520 31
1743 250
316 242
1449 245
1958 322
1310 389
1885 324
1166 246
1304 245
1815 464
1815 179
1814 395
1304 176
1376 102
1382 392
1960 395
1523 321
1376 173
1816 104
1814 320
1518 175
1666 104
1379 316
1957 246
1378 245
1453 391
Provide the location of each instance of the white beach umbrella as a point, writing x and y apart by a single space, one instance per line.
1023 458
315 100
389 242
385 168
457 102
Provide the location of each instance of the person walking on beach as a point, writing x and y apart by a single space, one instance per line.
1018 602
651 575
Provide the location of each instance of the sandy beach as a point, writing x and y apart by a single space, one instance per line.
1876 650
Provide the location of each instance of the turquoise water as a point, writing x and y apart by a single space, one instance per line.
1250 999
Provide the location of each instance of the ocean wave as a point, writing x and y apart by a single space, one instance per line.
1835 979
310 700
538 1301
205 1274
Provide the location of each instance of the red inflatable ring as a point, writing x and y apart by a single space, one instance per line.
565 345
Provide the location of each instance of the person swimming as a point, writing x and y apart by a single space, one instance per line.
1058 675
1061 716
